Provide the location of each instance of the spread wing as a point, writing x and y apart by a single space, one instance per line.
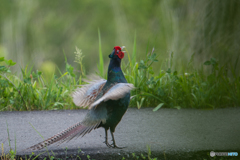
116 92
86 95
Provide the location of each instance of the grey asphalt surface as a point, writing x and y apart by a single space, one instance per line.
170 133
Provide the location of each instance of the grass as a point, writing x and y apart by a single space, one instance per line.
12 153
211 86
32 92
179 89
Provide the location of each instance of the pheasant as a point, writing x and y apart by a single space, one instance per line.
107 101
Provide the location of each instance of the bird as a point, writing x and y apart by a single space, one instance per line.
107 102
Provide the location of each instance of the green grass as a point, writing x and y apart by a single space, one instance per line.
211 86
30 90
180 89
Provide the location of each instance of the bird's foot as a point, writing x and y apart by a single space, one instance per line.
118 147
109 145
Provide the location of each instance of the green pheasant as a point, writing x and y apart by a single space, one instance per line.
107 101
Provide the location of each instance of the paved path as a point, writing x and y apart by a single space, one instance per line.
170 133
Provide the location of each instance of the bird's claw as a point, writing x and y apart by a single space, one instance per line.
115 146
109 146
112 145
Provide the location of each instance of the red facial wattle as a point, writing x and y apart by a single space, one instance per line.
118 52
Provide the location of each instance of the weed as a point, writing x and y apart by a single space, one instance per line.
211 86
142 156
12 153
178 89
32 92
101 63
3 155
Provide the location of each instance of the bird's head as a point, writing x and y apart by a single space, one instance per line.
117 53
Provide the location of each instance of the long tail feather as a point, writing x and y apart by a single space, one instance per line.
66 135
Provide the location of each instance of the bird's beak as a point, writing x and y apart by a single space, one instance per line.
111 55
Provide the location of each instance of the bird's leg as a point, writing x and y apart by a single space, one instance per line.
106 139
114 143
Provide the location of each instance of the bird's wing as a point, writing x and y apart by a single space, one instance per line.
86 95
116 92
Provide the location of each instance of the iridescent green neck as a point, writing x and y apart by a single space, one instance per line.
115 73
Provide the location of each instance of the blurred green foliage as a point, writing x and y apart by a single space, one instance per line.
40 36
164 88
36 31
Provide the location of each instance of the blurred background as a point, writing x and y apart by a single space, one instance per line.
38 32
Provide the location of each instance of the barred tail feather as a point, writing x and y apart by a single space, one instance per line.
66 135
